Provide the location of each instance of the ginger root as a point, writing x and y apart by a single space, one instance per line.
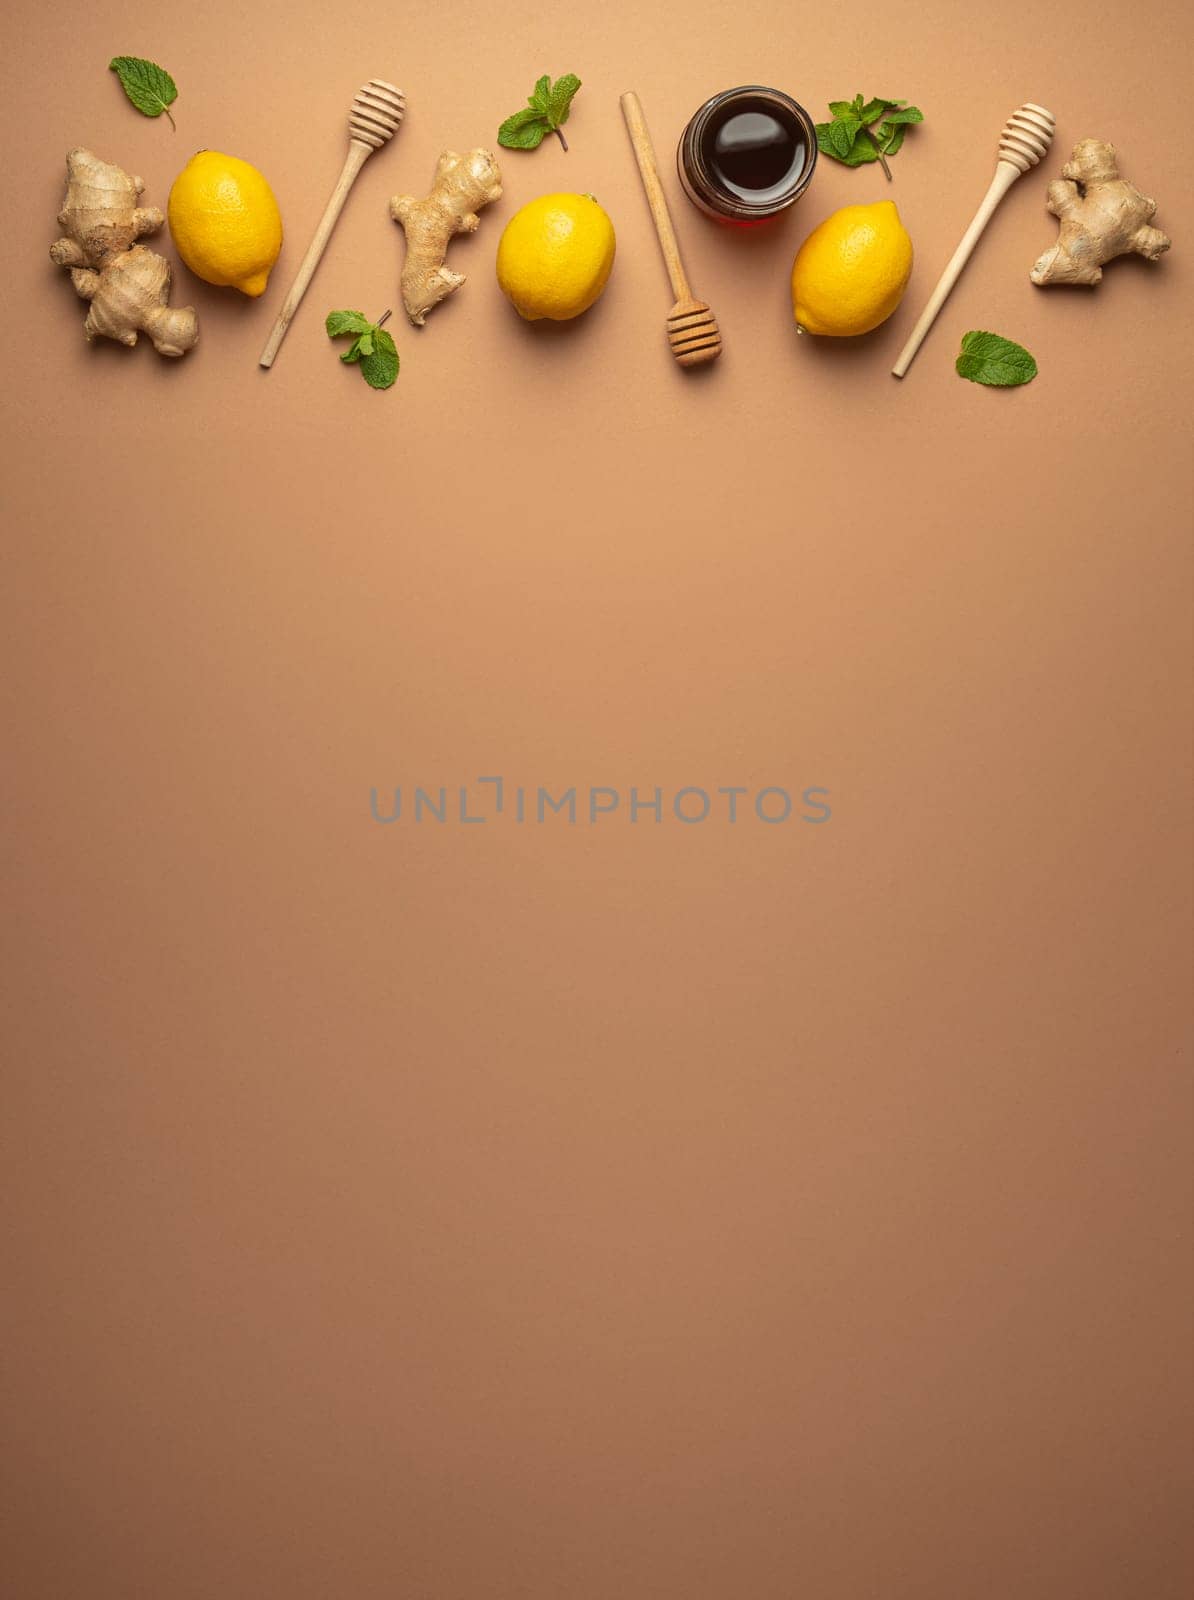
463 186
127 284
1102 216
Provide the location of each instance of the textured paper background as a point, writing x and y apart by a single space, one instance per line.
469 1213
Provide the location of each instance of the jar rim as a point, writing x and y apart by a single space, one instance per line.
737 204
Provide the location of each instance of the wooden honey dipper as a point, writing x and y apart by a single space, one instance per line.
1027 135
373 121
691 327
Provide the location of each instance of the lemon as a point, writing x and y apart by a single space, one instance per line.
851 272
556 256
225 221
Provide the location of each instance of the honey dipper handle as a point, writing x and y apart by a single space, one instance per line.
1005 175
358 154
644 153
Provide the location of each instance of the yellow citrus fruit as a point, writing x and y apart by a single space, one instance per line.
850 273
225 221
556 256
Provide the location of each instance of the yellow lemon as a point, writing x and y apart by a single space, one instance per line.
225 221
850 273
556 256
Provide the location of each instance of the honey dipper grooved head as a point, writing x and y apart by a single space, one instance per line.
693 333
376 111
1026 137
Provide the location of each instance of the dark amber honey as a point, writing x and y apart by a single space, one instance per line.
754 151
747 153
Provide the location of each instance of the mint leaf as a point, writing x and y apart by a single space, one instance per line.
836 138
905 114
890 139
380 367
372 349
149 87
862 151
993 360
545 112
525 130
559 103
339 322
864 131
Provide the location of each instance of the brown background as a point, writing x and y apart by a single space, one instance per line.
647 1212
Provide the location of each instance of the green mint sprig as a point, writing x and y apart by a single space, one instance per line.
372 347
991 359
149 87
866 130
546 111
